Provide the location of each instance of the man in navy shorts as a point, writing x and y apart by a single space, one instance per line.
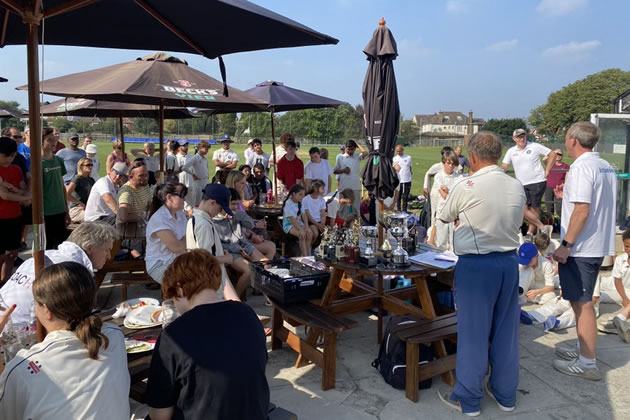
588 235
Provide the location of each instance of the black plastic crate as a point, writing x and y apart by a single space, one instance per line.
305 283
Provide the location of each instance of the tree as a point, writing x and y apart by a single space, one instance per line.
575 102
504 126
62 124
227 124
409 131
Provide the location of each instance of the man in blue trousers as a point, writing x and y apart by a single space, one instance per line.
487 208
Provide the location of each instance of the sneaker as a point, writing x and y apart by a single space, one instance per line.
575 368
502 407
526 318
623 329
567 353
551 323
445 396
529 237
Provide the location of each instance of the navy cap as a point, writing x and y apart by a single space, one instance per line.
74 136
225 137
220 194
526 252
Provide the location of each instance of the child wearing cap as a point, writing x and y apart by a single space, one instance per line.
91 151
537 279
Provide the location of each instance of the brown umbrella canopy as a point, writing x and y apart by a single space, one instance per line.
156 79
9 113
103 109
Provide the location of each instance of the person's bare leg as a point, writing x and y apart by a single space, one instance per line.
531 215
242 267
3 259
268 249
256 256
586 327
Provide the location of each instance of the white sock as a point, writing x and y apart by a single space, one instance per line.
587 362
621 317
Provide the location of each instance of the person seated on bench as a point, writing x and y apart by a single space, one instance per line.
347 212
80 369
90 245
166 230
315 206
209 362
294 220
233 242
102 203
201 232
134 199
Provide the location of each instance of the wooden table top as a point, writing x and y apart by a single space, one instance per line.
258 210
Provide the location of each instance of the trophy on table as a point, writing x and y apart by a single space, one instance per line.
398 229
370 233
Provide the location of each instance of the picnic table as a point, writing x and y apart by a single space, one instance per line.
273 215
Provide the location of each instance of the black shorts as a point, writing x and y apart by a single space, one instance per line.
11 237
534 193
27 215
578 277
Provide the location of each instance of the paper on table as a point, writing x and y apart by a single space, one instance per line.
435 259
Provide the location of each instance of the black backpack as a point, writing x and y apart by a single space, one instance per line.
391 361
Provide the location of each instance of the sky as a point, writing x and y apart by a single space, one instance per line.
498 58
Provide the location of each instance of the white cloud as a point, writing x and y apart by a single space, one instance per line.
412 48
502 45
560 7
457 6
572 49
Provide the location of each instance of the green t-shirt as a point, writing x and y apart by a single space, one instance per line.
53 171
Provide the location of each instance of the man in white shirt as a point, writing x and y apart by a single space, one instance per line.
488 209
102 202
258 156
525 158
347 167
249 150
197 167
588 235
185 177
402 165
225 159
150 159
317 168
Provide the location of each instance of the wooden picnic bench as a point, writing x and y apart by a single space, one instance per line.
318 320
427 332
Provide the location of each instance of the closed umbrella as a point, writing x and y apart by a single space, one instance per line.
2 80
382 113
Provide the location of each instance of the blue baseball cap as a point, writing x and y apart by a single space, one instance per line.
526 252
220 194
225 137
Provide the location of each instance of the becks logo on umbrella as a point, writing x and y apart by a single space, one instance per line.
190 93
185 83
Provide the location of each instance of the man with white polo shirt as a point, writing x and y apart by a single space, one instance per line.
525 158
588 235
225 159
102 202
258 156
402 165
487 208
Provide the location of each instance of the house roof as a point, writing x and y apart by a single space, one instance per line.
447 118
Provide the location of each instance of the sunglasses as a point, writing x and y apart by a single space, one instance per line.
89 165
558 154
180 194
17 137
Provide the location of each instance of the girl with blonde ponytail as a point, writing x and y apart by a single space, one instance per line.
80 369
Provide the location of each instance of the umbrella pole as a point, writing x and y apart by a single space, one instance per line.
37 195
122 134
161 125
275 163
380 225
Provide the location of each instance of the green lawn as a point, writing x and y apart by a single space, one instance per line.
422 158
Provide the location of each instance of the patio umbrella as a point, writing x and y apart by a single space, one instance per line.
382 114
9 113
102 109
280 98
200 27
158 79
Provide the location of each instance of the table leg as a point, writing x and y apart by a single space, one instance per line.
331 294
379 299
428 308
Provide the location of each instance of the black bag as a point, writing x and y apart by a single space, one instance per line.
391 361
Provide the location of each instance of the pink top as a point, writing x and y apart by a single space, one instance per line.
556 178
116 159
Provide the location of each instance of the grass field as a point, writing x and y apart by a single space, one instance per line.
422 158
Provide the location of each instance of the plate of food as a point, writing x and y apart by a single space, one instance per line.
138 346
144 317
123 308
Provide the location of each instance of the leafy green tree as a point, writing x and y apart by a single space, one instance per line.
62 124
578 100
504 126
409 132
227 124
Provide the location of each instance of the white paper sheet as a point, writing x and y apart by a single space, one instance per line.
435 259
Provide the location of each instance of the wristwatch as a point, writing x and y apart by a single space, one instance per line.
566 244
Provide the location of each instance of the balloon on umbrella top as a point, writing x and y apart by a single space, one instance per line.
382 113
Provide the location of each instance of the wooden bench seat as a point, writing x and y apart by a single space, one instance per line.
426 332
322 322
128 279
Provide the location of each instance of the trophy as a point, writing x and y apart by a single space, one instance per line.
398 229
370 233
